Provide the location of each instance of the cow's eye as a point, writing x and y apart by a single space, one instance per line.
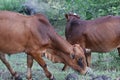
72 56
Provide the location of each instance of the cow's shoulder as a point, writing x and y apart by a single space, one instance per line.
42 19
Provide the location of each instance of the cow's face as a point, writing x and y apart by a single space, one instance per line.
79 59
71 16
77 62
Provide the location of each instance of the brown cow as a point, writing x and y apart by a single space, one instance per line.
51 55
99 35
33 35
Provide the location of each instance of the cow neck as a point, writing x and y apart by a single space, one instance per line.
59 43
68 25
70 21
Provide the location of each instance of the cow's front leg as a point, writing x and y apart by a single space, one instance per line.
29 66
13 73
65 67
41 62
88 58
118 51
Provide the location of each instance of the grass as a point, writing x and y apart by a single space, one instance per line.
11 5
99 67
106 63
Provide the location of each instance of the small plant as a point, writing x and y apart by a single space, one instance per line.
11 5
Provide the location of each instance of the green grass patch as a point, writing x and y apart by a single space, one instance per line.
11 5
102 64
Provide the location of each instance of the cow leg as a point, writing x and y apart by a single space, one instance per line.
13 73
42 63
65 67
29 66
118 51
88 58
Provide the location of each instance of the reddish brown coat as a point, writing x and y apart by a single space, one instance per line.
99 35
33 35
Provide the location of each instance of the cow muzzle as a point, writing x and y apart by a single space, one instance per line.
89 71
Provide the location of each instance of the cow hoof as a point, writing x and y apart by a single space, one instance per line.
18 78
53 78
101 77
72 76
31 79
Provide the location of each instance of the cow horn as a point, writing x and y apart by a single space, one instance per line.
74 14
87 50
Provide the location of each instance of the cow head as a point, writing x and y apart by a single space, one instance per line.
79 59
77 62
71 15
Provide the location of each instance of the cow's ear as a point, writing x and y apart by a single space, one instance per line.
66 16
87 51
77 16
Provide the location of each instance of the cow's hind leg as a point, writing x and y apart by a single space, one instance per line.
118 51
29 66
13 73
42 63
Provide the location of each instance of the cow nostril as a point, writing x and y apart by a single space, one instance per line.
80 59
80 63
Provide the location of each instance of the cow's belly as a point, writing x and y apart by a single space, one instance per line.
11 48
12 44
103 48
103 43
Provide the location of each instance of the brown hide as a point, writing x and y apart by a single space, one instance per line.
33 35
53 55
99 35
